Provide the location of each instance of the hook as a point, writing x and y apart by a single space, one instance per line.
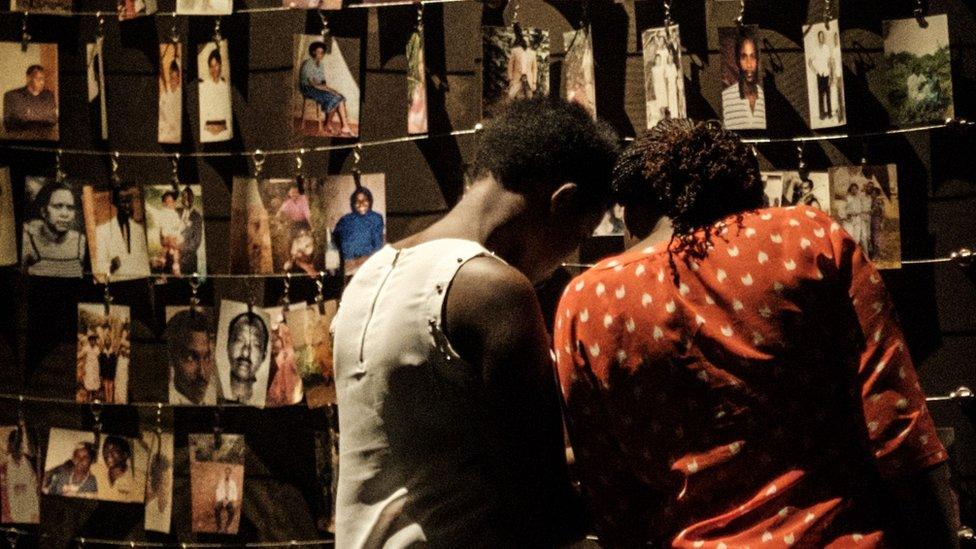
174 34
24 35
115 168
320 292
217 430
742 13
58 171
515 12
100 31
920 13
325 27
108 295
216 36
667 15
258 158
285 296
159 418
963 257
826 14
420 16
194 290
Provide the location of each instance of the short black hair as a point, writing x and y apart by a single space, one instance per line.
251 319
695 173
214 54
541 143
172 194
316 45
89 448
121 443
360 191
34 68
43 198
181 325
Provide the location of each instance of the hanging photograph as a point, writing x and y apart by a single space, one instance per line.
516 65
8 227
865 203
281 226
115 226
284 385
664 81
42 6
325 100
213 71
825 74
326 5
174 229
612 223
243 353
773 189
914 80
159 482
579 85
68 467
309 327
810 189
96 83
29 84
416 84
327 475
54 242
170 93
743 102
102 363
204 7
216 482
356 216
130 9
190 345
19 487
110 469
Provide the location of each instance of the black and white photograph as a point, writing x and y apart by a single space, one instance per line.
864 200
743 99
115 223
806 189
914 79
204 7
170 92
29 84
190 347
516 65
772 188
20 494
216 482
54 242
579 82
213 73
243 353
174 229
612 223
8 227
325 94
664 81
825 74
103 354
96 83
159 482
356 215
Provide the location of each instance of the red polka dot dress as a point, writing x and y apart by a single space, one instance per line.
753 397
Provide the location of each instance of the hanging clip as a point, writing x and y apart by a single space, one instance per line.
864 151
325 28
801 164
218 431
216 35
420 16
108 296
667 15
299 179
920 13
21 414
258 158
58 170
96 412
963 257
159 418
100 31
13 536
115 168
515 12
742 13
320 292
175 173
286 294
24 35
194 291
174 33
357 158
826 14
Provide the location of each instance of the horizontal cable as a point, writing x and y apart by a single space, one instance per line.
12 534
269 9
141 404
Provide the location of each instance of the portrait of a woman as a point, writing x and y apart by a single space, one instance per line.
170 95
313 84
52 243
215 102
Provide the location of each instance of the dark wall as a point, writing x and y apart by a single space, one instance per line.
37 317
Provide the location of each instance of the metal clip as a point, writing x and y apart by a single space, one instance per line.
320 292
298 163
115 168
175 174
216 36
174 33
108 295
357 158
96 412
258 158
218 431
286 294
13 536
515 12
100 31
920 13
742 13
58 170
801 164
864 151
325 28
667 16
420 16
194 290
826 14
159 418
24 35
963 257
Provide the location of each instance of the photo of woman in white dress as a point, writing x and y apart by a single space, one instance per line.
216 116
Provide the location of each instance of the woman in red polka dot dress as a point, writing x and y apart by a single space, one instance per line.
739 378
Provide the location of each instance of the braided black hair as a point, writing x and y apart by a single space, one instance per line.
695 173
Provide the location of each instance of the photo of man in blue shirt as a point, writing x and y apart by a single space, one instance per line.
359 233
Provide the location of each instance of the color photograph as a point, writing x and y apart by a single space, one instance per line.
416 84
190 344
516 65
159 482
216 111
29 84
811 189
312 341
54 242
96 83
326 5
115 227
579 84
664 80
20 494
743 101
8 227
204 7
174 229
865 203
130 9
825 74
110 469
914 80
243 353
326 92
170 93
216 482
103 353
356 216
42 6
285 384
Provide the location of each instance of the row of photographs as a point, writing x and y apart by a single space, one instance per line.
122 469
255 356
130 9
303 226
914 80
862 199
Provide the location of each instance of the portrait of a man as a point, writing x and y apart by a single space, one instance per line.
190 344
119 249
68 469
243 353
360 232
743 102
29 83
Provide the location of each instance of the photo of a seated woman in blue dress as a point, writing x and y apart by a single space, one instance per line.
313 85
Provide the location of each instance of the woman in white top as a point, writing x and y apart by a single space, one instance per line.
170 105
90 379
216 117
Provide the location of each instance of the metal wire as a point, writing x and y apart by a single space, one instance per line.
139 404
269 9
81 541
